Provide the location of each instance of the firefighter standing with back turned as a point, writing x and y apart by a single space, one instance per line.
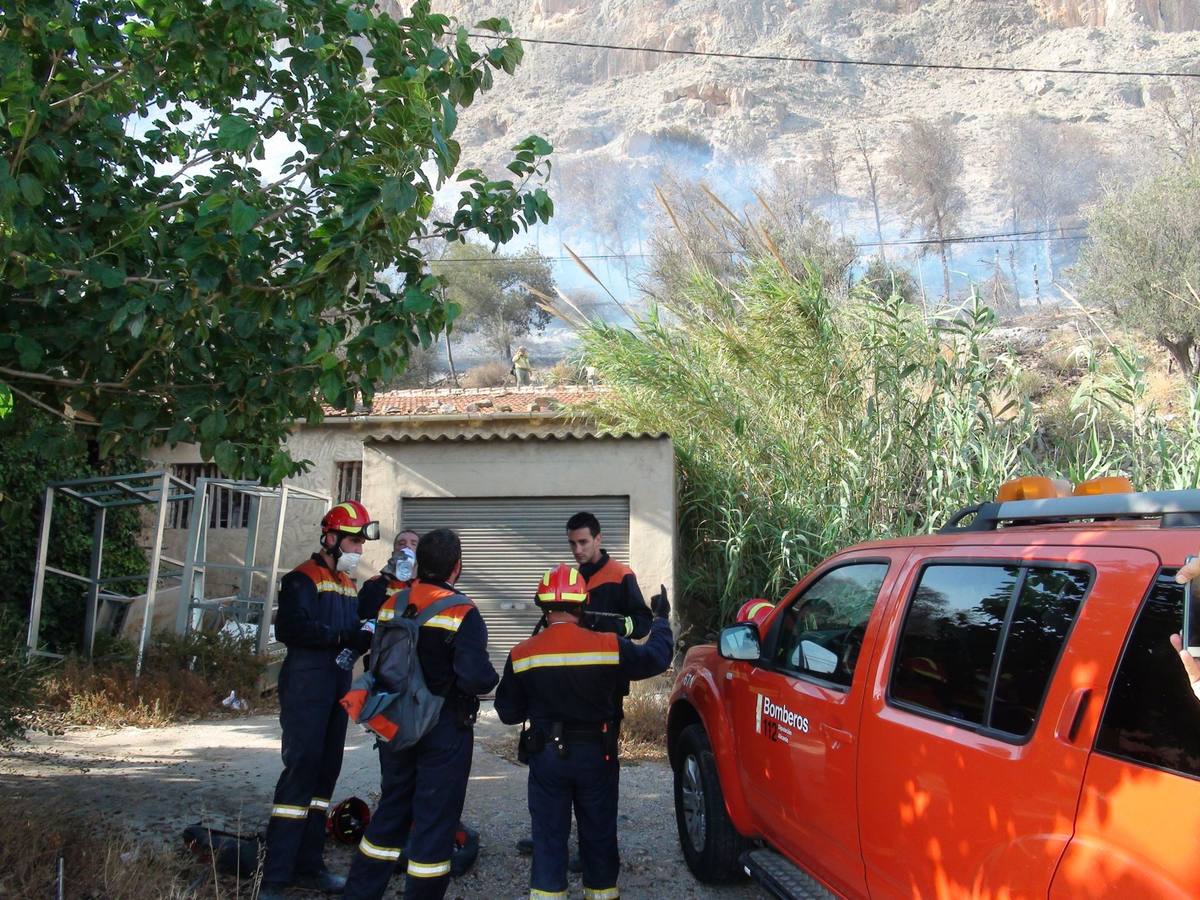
424 786
316 620
615 604
566 681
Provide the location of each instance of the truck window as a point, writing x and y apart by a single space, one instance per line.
1152 717
823 628
980 642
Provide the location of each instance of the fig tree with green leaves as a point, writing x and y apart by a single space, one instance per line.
213 212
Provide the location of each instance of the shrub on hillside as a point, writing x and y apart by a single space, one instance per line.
489 374
563 373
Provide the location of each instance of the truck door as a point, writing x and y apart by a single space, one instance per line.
1139 816
795 715
973 752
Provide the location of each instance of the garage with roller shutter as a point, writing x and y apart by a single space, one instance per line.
509 498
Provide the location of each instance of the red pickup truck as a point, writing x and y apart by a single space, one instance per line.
992 711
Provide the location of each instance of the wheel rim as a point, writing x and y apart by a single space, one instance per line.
692 796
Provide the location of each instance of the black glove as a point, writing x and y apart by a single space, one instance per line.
659 604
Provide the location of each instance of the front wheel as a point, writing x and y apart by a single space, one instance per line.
711 845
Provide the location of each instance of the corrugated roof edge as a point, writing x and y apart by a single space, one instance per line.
550 436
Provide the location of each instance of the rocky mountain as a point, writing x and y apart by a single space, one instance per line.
645 108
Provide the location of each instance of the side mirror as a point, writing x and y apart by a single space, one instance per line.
740 641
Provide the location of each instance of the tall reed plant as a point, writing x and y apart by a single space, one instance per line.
801 425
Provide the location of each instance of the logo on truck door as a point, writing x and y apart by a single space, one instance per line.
776 721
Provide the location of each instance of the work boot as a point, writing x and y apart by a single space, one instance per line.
272 891
525 846
321 880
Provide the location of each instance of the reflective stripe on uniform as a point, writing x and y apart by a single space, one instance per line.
428 870
599 658
611 893
374 851
449 623
386 615
334 588
321 803
535 894
284 811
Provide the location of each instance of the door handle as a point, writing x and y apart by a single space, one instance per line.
836 735
1071 716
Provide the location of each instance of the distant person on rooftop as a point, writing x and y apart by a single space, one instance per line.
521 368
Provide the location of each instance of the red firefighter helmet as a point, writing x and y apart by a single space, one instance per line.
562 588
348 820
350 517
755 611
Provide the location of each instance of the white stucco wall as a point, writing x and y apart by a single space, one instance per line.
641 468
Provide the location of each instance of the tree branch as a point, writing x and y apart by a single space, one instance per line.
95 86
50 409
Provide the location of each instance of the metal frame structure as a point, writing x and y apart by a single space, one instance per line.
196 565
160 489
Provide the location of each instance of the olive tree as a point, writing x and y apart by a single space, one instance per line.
213 214
1142 260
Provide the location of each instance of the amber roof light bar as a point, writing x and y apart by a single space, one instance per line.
1176 509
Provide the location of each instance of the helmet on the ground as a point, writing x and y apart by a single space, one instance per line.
562 588
755 611
350 517
348 820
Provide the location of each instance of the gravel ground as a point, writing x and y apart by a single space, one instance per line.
223 773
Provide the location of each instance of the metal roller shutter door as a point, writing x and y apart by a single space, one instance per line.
508 542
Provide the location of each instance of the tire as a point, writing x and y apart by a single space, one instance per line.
711 845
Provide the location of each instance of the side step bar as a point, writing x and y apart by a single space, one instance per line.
782 878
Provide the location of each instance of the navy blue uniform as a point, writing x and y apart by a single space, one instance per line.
375 591
564 681
317 617
424 786
613 590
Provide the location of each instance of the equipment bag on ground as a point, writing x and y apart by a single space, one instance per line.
392 699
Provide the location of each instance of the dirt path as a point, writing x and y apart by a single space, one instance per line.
224 772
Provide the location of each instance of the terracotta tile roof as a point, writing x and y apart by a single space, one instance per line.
578 434
474 401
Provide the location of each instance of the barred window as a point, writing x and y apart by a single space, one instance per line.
227 508
349 481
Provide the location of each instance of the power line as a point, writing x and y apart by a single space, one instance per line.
851 61
1011 237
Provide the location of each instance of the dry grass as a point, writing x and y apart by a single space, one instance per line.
644 730
98 862
182 679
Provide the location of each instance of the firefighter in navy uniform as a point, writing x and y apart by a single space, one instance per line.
565 682
317 619
615 604
615 601
424 786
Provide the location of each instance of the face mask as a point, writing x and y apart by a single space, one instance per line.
347 562
401 564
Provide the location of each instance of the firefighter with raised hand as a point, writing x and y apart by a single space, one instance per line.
424 786
316 620
564 681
